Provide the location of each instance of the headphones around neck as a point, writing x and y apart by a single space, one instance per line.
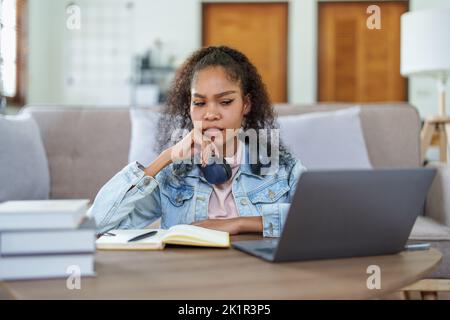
216 173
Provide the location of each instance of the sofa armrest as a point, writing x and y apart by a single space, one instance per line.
438 201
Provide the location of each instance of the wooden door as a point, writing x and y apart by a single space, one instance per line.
358 64
259 30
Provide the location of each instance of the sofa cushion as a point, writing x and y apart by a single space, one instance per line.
24 173
426 228
442 270
391 130
144 130
429 231
326 140
438 200
85 147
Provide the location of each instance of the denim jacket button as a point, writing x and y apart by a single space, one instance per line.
271 194
200 198
244 202
146 181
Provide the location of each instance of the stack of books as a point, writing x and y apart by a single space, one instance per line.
46 239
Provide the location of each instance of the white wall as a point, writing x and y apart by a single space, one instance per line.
40 50
178 24
302 68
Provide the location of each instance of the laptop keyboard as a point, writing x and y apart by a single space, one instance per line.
268 246
266 249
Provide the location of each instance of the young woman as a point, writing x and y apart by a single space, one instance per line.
215 91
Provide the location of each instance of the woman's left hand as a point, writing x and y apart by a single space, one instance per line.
228 225
234 225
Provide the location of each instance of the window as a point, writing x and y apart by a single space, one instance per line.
10 53
97 57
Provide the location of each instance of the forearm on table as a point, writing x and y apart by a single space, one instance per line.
250 224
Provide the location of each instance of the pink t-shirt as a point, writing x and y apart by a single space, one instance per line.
221 202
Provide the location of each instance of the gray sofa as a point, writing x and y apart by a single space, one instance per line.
87 146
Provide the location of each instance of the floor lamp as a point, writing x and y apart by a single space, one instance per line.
425 51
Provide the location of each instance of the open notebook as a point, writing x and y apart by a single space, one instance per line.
181 234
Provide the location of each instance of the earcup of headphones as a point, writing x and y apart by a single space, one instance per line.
217 173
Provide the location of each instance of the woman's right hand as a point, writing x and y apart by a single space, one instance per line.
192 144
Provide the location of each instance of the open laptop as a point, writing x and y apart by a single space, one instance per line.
347 213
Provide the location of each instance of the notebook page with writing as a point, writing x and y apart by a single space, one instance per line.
187 235
120 240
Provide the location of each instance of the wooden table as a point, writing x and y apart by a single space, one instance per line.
202 273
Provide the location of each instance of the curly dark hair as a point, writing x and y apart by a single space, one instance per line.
238 68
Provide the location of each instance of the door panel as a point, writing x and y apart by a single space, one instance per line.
259 30
358 64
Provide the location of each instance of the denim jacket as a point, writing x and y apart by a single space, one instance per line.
133 200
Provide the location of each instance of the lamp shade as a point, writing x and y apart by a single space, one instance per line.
425 42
